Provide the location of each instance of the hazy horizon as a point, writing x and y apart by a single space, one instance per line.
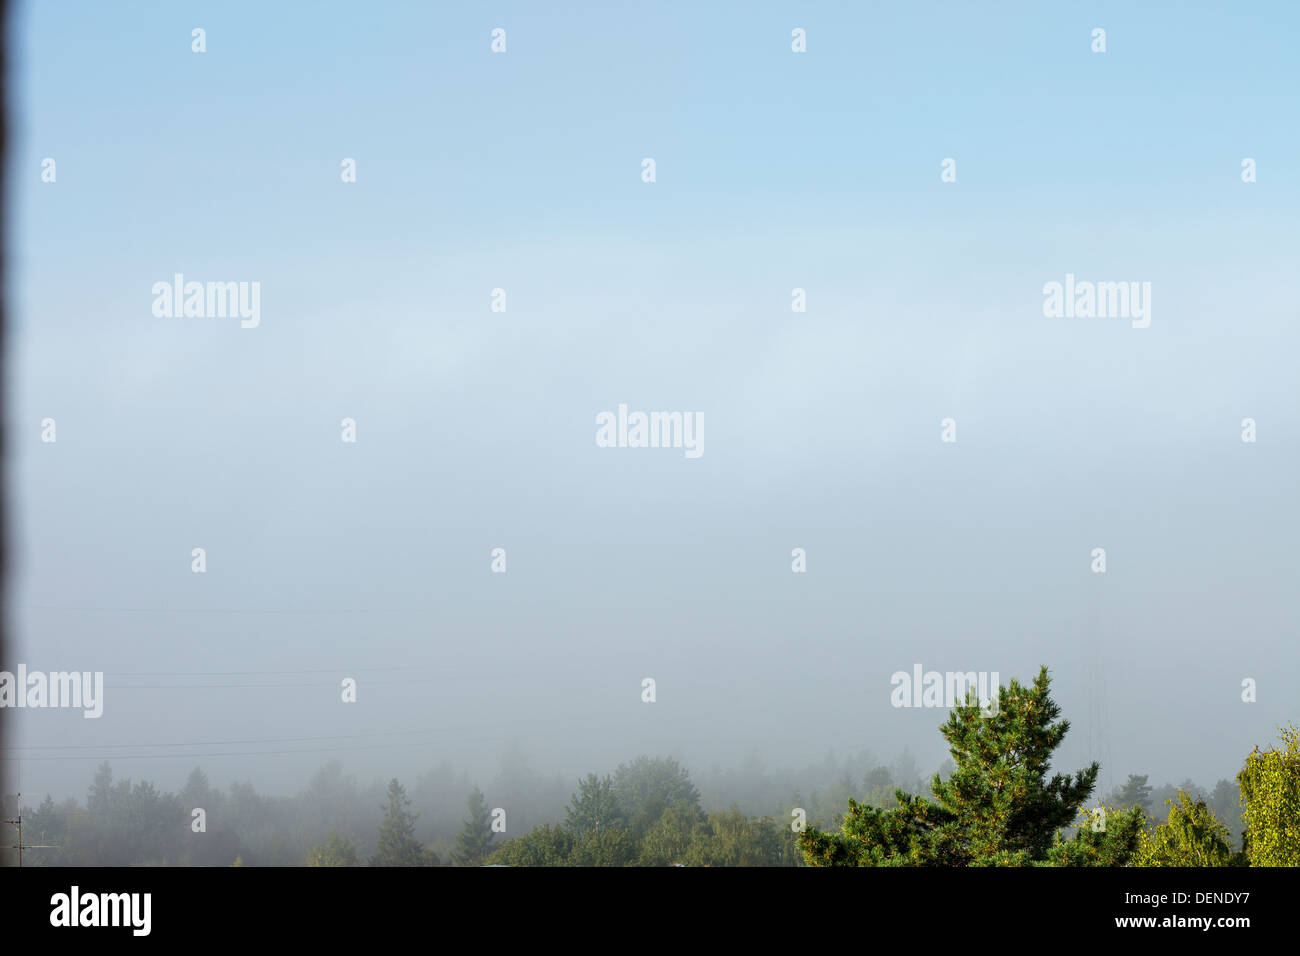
476 429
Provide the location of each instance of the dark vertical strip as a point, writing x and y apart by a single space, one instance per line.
4 379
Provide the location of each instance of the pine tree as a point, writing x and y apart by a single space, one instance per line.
1104 836
1136 793
475 839
999 794
998 805
397 844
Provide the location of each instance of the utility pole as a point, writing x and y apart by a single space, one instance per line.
20 846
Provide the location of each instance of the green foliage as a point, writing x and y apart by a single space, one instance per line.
607 846
658 795
997 807
335 851
131 824
1190 837
475 840
669 840
1105 836
594 807
733 839
545 845
1135 793
992 804
397 844
646 787
1270 793
1225 803
904 835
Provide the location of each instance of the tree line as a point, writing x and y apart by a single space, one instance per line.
993 802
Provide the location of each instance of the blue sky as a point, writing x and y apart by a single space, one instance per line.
774 171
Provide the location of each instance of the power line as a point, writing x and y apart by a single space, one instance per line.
205 684
396 667
369 683
213 753
217 610
100 748
241 753
223 743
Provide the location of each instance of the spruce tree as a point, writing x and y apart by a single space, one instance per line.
397 844
475 839
1136 793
